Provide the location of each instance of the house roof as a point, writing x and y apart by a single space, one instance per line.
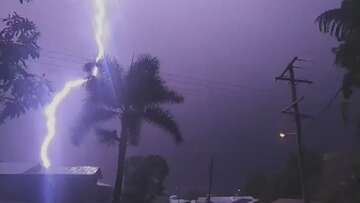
9 168
26 182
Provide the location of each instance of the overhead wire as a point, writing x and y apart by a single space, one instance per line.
178 79
189 84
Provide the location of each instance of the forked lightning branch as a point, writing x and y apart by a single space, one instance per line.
51 109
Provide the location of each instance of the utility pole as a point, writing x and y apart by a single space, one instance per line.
211 168
297 116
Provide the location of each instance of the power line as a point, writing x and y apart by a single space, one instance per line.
179 78
330 102
220 88
67 54
210 83
193 82
210 87
171 75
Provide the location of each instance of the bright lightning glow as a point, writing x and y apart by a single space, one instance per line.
51 109
99 32
95 71
99 28
50 113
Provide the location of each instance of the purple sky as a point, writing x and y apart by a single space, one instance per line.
222 55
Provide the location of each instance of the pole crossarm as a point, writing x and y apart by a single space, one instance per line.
294 110
295 80
286 109
290 65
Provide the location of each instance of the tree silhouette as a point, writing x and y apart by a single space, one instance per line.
192 195
340 180
285 184
341 22
344 24
133 97
20 90
144 178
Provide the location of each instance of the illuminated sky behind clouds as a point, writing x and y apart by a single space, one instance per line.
222 54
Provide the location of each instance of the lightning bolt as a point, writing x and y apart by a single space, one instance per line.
50 114
99 34
51 109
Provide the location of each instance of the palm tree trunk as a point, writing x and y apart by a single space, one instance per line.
120 165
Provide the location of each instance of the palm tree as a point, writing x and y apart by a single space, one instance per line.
133 97
344 24
341 22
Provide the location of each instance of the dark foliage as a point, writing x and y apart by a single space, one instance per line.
340 180
133 97
344 24
285 184
144 178
106 136
193 194
260 186
341 22
20 90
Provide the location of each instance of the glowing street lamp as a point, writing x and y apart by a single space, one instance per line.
283 135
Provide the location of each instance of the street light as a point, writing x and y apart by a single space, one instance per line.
283 135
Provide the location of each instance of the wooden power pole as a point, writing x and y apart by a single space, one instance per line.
211 170
293 108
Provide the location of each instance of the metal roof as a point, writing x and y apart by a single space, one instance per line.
26 182
228 199
8 168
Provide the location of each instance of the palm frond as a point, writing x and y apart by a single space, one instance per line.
145 86
105 136
337 22
164 120
106 87
89 116
170 96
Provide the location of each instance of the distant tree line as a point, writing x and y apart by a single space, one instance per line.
330 178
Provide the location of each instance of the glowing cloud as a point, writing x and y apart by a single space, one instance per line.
51 109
